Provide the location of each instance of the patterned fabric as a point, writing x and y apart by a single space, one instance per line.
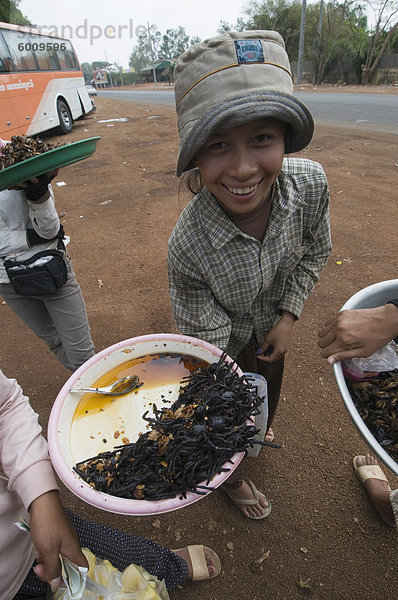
225 285
121 549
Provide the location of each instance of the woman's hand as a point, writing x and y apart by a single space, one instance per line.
276 343
53 534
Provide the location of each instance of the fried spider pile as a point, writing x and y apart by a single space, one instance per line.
376 400
21 148
187 443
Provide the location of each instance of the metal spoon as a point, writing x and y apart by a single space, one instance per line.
117 388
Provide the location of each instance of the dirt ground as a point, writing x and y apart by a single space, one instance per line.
322 540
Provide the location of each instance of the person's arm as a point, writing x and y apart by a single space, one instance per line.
25 461
358 333
301 281
53 534
42 212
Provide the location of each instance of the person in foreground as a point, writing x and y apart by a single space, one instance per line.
249 247
30 491
30 227
358 334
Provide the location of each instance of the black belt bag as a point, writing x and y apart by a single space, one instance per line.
39 275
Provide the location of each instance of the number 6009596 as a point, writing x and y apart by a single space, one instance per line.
41 46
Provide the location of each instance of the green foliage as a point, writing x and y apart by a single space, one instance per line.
283 16
146 50
160 47
87 71
174 43
99 64
10 13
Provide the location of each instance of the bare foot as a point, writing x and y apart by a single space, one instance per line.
269 437
244 492
185 555
378 491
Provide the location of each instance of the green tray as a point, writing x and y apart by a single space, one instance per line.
42 163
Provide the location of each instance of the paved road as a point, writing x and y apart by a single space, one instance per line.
365 110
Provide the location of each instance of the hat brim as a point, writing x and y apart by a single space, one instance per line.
240 110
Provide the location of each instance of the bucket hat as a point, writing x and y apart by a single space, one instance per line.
231 79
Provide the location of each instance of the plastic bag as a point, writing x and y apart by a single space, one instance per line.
385 359
105 582
261 420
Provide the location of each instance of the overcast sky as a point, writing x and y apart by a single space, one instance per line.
99 26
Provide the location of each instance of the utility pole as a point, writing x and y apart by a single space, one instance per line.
119 68
107 62
319 38
152 55
301 42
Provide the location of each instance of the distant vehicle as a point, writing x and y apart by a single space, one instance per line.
91 90
41 83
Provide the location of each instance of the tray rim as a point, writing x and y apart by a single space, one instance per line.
45 156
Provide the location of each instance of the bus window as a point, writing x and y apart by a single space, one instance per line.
5 59
20 50
67 58
45 50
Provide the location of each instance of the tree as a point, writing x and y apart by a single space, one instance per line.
97 65
87 71
283 16
386 13
146 50
174 43
343 24
160 47
10 13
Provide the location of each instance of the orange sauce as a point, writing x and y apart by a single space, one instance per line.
154 370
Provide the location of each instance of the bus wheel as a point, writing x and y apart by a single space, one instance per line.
65 117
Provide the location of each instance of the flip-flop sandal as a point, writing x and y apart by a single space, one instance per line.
200 568
240 502
365 472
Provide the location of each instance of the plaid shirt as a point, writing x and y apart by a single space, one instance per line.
225 285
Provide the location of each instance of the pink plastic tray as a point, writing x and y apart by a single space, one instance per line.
60 422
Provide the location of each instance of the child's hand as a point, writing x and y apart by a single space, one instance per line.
53 534
276 343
